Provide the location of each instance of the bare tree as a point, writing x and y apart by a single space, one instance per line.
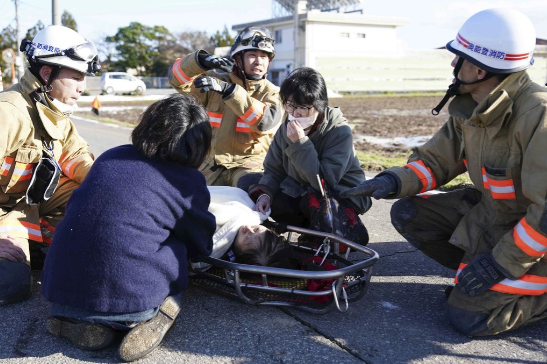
191 41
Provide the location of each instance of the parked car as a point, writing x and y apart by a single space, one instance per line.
121 82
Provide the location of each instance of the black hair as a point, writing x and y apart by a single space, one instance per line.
272 251
175 129
307 87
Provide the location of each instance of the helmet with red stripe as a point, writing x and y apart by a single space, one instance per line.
499 40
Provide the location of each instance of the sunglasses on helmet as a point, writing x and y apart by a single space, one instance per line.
258 41
84 52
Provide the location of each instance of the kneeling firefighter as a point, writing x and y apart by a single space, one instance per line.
42 157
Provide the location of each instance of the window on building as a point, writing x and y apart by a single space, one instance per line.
361 35
344 35
278 36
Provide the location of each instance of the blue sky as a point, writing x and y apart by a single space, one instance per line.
432 22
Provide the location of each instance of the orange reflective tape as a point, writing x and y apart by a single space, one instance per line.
179 73
424 174
21 229
215 118
529 240
254 113
23 171
528 284
68 166
6 166
242 127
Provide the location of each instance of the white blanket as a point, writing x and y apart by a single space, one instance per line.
232 208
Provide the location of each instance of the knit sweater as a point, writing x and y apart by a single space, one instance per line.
123 244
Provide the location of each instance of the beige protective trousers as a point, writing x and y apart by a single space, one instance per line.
427 223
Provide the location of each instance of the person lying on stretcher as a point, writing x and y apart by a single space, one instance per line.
239 235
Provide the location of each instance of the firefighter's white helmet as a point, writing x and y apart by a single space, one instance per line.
498 40
258 38
61 46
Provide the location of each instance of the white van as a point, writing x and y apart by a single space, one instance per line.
121 82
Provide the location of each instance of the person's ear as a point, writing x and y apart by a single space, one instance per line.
481 74
45 73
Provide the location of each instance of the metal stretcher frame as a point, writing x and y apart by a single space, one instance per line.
232 279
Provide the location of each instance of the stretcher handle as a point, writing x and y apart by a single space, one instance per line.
344 295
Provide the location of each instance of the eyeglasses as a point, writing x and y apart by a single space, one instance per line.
302 110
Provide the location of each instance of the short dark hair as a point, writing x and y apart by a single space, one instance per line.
307 87
272 251
175 129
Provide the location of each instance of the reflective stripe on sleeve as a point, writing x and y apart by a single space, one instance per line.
528 284
68 166
424 174
529 240
179 74
254 113
243 127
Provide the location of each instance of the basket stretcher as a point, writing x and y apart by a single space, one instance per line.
315 290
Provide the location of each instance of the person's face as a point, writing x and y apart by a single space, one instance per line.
299 111
255 62
68 86
249 237
467 73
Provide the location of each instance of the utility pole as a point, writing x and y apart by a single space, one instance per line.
55 14
20 59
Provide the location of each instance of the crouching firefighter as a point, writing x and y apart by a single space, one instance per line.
243 106
494 234
42 157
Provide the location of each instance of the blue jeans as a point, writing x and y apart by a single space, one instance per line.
118 321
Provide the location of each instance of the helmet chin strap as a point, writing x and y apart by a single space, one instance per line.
38 94
454 88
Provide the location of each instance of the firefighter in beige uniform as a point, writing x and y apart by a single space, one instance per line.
43 159
493 235
243 106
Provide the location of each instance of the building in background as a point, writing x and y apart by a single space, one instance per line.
357 52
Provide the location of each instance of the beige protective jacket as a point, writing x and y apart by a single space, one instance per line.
243 123
502 143
26 129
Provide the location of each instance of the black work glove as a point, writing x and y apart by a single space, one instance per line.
377 187
207 83
209 62
480 275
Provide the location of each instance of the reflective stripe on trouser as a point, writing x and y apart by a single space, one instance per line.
25 223
494 312
222 176
428 221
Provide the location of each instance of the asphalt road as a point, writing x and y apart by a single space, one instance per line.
399 320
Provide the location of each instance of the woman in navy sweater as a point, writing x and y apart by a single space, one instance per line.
119 256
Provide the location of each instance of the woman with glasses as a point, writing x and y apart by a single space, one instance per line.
42 157
243 106
314 142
